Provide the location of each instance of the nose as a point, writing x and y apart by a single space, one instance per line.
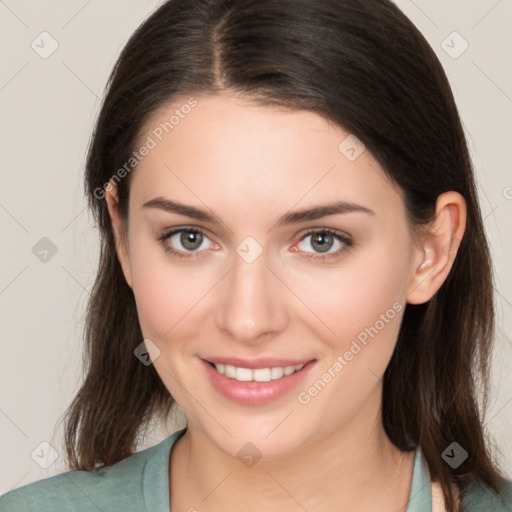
252 302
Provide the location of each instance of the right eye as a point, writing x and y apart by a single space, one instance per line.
190 239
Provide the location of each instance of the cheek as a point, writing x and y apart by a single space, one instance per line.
363 307
362 299
165 291
360 307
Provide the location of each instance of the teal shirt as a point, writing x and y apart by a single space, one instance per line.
140 483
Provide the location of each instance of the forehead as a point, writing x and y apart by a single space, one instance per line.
227 153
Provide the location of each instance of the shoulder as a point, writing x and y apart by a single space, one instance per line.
480 498
116 487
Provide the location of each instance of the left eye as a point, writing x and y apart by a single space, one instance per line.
324 240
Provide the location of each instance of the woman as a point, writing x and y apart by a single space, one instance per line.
293 252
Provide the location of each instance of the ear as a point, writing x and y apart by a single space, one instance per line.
118 229
437 249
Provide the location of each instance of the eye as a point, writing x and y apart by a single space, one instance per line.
191 240
323 240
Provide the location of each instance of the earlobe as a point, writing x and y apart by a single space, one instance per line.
111 198
434 259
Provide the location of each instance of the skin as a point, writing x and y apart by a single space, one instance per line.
250 165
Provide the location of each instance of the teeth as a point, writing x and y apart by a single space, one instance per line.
258 375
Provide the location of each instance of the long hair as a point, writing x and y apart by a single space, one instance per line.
364 66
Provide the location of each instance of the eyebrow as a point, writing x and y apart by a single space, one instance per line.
314 213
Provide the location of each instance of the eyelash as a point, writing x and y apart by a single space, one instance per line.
347 241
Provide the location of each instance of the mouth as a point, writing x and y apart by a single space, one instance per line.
256 382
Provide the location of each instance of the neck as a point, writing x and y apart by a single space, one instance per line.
354 468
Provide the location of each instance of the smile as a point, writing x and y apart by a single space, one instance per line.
256 386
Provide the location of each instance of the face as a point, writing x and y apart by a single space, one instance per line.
253 284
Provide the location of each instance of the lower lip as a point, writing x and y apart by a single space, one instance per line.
255 393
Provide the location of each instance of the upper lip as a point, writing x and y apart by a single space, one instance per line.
266 362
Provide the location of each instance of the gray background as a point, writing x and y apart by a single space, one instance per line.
48 107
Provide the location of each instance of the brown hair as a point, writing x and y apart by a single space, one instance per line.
363 65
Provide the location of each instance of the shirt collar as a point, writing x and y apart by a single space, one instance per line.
155 478
420 499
